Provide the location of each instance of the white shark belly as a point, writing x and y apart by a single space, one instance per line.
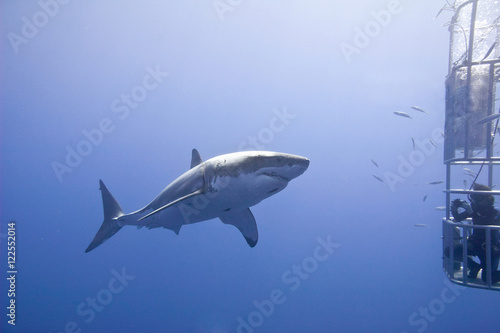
247 190
225 194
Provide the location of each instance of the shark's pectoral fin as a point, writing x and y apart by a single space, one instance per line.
245 222
200 191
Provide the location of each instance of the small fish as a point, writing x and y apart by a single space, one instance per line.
477 153
489 118
378 178
413 141
469 172
422 225
402 114
441 208
435 182
465 184
432 143
419 109
375 163
425 197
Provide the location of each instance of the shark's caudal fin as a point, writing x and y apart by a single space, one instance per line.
109 226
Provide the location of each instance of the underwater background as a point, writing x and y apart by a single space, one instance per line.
123 91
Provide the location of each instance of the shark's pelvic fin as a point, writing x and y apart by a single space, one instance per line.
245 222
175 228
195 158
112 211
200 191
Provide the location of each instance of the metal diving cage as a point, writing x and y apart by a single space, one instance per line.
471 153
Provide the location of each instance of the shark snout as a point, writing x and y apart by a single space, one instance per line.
302 163
297 165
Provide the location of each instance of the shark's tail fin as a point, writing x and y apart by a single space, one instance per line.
109 226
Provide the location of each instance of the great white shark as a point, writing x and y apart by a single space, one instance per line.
222 187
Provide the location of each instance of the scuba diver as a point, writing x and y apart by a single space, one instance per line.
482 212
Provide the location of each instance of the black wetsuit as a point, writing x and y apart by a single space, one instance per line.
481 215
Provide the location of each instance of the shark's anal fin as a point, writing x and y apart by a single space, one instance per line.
245 222
195 158
200 191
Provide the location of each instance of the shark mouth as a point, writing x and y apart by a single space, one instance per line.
276 176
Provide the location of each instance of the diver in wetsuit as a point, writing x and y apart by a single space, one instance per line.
482 212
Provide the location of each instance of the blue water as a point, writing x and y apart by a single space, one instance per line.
123 91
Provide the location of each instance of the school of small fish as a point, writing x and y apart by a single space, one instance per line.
406 115
436 182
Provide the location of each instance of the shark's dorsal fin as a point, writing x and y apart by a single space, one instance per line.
195 158
200 191
245 222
